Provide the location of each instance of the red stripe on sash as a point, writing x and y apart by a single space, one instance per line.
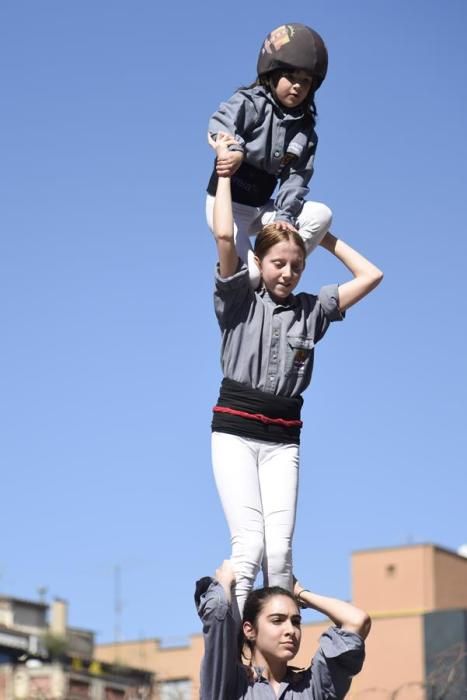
259 417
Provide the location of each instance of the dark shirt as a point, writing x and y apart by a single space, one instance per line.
279 147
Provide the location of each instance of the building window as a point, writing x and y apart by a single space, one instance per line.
175 690
78 689
29 615
114 694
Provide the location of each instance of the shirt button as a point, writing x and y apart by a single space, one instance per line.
276 154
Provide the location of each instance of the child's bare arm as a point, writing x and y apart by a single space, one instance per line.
366 275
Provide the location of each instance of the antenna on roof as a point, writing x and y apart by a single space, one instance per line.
117 603
42 593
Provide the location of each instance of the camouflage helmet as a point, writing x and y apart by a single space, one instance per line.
294 46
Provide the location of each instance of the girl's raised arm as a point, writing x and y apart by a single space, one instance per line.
366 275
223 222
344 615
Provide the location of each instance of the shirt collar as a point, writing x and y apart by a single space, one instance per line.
293 676
288 303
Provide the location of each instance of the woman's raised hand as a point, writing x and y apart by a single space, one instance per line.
222 141
225 575
343 614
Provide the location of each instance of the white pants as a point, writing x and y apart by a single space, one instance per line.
312 223
257 483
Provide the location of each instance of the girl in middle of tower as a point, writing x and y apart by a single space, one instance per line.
268 340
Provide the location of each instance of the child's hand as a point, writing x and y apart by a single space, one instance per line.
227 162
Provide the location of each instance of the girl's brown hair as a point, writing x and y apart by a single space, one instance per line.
272 234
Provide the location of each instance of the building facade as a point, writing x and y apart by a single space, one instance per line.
42 660
417 648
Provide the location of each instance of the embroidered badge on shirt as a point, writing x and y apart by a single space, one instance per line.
287 158
300 357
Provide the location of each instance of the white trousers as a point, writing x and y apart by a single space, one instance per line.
312 223
257 483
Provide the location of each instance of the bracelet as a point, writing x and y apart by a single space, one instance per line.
300 602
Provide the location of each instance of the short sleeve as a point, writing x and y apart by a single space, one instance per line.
329 299
231 294
235 281
323 310
340 657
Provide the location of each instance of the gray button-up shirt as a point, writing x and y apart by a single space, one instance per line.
267 345
339 657
266 132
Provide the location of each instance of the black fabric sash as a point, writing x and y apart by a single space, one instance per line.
243 398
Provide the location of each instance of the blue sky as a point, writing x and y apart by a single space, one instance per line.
110 350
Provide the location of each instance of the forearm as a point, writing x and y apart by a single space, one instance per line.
351 258
344 615
291 196
223 226
366 275
234 117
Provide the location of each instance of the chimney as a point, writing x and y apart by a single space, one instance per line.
59 617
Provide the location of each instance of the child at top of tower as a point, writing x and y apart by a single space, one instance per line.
273 124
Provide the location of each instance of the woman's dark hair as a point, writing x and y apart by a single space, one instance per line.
272 234
254 604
